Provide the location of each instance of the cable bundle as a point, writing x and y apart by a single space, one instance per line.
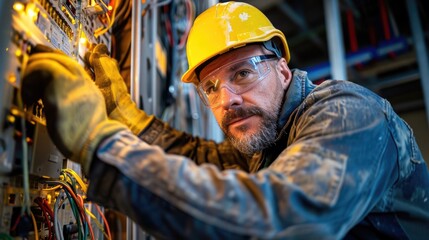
72 189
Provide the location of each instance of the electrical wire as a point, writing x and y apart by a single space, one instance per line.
78 207
188 23
36 231
177 19
57 223
104 4
52 223
25 171
86 217
77 177
47 213
79 197
74 206
15 225
99 225
168 26
102 31
123 16
106 224
50 214
52 188
80 222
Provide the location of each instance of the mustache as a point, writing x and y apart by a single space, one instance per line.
232 115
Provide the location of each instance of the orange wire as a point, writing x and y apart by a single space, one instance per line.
79 202
104 220
79 197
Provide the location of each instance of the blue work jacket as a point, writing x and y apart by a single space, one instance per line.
344 166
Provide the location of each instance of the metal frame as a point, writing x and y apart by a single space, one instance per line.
421 51
335 40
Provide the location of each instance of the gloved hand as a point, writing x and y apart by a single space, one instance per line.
118 101
76 116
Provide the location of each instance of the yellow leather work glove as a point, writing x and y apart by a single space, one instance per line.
76 116
119 104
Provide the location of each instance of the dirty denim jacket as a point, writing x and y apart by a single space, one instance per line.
344 166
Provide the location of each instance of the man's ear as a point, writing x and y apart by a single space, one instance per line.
285 73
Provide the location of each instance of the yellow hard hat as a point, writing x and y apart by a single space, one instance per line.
227 26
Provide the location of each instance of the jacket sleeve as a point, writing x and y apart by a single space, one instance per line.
340 160
200 150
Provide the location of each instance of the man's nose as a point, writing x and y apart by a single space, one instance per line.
228 97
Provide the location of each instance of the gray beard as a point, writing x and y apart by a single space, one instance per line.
256 142
250 144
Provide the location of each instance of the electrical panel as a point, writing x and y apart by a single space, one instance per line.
42 193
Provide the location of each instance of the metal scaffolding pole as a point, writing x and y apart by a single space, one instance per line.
335 40
136 39
133 231
155 86
421 51
149 83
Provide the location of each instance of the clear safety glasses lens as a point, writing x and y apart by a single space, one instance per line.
238 77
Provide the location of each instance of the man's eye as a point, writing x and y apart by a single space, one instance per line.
210 88
242 76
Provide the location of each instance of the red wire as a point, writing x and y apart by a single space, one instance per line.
16 223
104 220
50 213
188 27
48 224
168 26
79 204
86 217
45 212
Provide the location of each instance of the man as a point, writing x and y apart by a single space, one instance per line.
301 161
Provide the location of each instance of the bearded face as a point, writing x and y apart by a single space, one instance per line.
245 140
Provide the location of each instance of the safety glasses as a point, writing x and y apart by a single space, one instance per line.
238 77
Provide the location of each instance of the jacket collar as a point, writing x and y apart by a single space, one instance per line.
298 90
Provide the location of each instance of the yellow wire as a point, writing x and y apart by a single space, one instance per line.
78 179
68 179
96 222
111 21
36 232
90 213
52 188
99 31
